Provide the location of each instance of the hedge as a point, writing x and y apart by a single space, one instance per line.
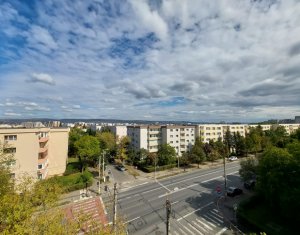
150 169
74 181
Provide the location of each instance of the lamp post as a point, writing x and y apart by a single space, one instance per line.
177 158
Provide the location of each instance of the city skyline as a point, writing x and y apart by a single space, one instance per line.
150 60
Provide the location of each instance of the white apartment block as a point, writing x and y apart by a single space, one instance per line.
290 128
118 131
235 128
182 138
38 152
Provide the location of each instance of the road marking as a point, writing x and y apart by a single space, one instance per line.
180 181
211 224
127 188
197 231
221 231
204 224
205 181
175 191
182 231
199 227
125 198
194 211
128 221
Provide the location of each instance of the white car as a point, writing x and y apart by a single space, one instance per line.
232 158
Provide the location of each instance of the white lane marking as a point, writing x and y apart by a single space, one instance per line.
221 231
213 217
210 219
178 190
197 231
199 227
125 198
185 228
217 213
174 202
194 211
127 188
165 187
211 224
176 233
189 179
204 224
128 221
205 181
182 231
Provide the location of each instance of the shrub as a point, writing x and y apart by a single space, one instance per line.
150 169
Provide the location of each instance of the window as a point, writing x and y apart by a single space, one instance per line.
176 135
176 141
171 136
182 129
40 176
9 150
11 163
171 130
176 129
10 137
40 166
187 135
171 142
12 175
192 134
207 128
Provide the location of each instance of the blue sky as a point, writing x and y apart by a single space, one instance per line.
232 60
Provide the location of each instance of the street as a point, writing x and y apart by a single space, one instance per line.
193 199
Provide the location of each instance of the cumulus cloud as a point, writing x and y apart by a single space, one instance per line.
233 60
42 78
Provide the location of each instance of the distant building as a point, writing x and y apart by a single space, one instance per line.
38 152
118 131
297 119
32 124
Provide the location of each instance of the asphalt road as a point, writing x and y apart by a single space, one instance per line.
193 198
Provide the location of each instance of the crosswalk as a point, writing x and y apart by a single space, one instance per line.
210 222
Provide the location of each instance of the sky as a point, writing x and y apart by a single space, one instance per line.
189 60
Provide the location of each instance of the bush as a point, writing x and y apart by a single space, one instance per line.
72 168
150 169
74 181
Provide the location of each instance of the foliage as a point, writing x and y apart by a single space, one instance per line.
107 140
248 168
166 155
74 181
122 147
197 154
278 136
74 135
87 149
150 169
279 180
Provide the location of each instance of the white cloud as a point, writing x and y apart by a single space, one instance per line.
42 78
9 114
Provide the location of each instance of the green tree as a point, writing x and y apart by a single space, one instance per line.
122 148
107 140
239 143
166 154
197 154
74 135
249 168
88 150
278 136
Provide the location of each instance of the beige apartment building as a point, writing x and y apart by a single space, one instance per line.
182 138
38 152
209 132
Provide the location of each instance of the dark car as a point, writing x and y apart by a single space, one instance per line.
234 191
250 184
121 168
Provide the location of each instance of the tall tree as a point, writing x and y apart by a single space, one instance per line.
88 150
107 140
122 148
74 135
197 154
166 154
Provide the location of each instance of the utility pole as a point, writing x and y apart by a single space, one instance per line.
115 209
103 167
99 182
168 210
225 178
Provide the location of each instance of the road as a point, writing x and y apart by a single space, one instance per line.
192 196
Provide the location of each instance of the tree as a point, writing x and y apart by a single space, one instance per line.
249 168
122 148
107 140
278 136
166 154
228 141
74 135
240 145
88 150
197 154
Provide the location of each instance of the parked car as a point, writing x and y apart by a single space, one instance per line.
121 168
232 158
250 184
234 191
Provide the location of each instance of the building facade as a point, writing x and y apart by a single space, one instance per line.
38 152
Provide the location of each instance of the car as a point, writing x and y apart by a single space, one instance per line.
234 191
121 168
250 184
232 158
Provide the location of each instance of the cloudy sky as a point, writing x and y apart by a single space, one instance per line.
193 60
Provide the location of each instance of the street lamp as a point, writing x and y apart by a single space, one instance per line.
177 157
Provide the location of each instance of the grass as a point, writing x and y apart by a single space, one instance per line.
132 171
74 182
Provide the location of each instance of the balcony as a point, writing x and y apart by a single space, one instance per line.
43 160
43 150
43 139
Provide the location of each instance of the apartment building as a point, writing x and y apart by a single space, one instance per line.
118 131
209 132
182 138
145 137
38 152
290 128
